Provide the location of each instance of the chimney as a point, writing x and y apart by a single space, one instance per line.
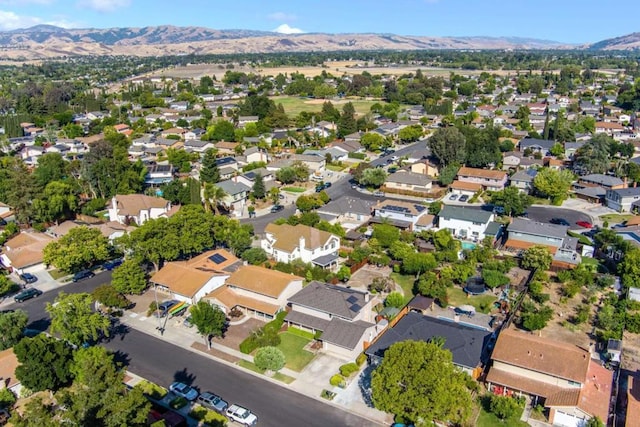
366 297
302 242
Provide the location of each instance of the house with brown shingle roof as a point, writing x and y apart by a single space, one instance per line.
6 212
286 243
257 291
23 253
8 364
138 208
489 179
558 375
191 280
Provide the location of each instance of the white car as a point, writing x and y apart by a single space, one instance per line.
241 415
184 390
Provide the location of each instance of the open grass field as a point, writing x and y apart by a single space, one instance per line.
294 105
406 283
482 303
293 348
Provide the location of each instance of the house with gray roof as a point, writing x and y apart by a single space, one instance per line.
343 315
236 195
349 212
541 146
404 181
523 179
402 214
601 180
465 223
622 199
524 233
467 343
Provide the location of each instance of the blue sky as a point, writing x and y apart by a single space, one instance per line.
570 21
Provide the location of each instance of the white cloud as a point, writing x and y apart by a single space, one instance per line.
12 21
104 5
282 16
286 29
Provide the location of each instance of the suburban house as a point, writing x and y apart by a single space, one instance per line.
285 243
406 215
523 179
257 291
511 160
23 252
464 188
6 212
236 194
425 167
488 179
466 343
523 234
111 230
560 376
349 212
465 223
8 364
534 145
601 180
313 162
191 280
138 208
402 181
159 174
622 199
343 315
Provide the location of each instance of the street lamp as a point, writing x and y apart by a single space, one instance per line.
159 328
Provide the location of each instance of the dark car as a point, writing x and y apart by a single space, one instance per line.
27 295
81 275
276 208
110 265
463 198
559 221
28 278
164 307
327 185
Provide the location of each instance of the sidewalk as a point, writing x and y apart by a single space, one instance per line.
189 339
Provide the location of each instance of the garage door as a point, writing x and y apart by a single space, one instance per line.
567 420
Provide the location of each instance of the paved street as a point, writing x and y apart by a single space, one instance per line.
162 362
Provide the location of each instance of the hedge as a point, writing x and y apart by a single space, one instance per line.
265 336
360 156
208 417
152 390
361 359
178 403
348 369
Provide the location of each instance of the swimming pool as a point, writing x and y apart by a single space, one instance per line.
468 245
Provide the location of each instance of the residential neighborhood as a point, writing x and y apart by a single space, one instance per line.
341 240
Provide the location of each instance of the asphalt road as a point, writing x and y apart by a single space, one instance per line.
545 214
161 362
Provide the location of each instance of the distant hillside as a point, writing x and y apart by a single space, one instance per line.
627 42
46 41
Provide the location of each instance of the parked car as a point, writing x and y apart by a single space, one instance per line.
241 415
27 294
378 193
110 265
183 390
453 197
584 224
281 196
164 306
463 198
394 158
213 401
81 275
327 185
559 221
28 278
498 210
276 208
188 322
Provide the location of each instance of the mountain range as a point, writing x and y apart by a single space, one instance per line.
47 41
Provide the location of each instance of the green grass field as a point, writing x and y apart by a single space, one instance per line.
294 189
406 283
482 303
277 376
294 105
292 347
487 419
615 218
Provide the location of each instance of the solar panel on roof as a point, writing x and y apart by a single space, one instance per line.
217 258
355 308
352 299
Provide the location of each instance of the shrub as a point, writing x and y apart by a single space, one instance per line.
269 359
7 398
338 381
208 417
361 359
178 402
248 345
152 390
349 369
152 307
504 407
109 296
317 335
235 312
326 394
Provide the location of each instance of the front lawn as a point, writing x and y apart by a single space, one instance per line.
482 303
487 419
615 218
292 346
58 274
336 168
277 376
294 189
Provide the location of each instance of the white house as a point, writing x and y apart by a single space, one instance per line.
137 208
401 214
621 199
286 243
465 223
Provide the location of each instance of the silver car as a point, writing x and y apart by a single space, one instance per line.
213 401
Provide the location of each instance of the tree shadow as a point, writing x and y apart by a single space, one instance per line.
40 324
117 330
364 383
184 377
121 359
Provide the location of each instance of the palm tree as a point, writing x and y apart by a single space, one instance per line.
213 195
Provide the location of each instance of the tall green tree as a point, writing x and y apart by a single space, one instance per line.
513 201
213 197
554 184
58 200
155 241
12 325
82 247
73 318
347 123
594 155
409 384
44 363
374 177
537 258
259 191
209 172
448 145
51 167
209 320
129 278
